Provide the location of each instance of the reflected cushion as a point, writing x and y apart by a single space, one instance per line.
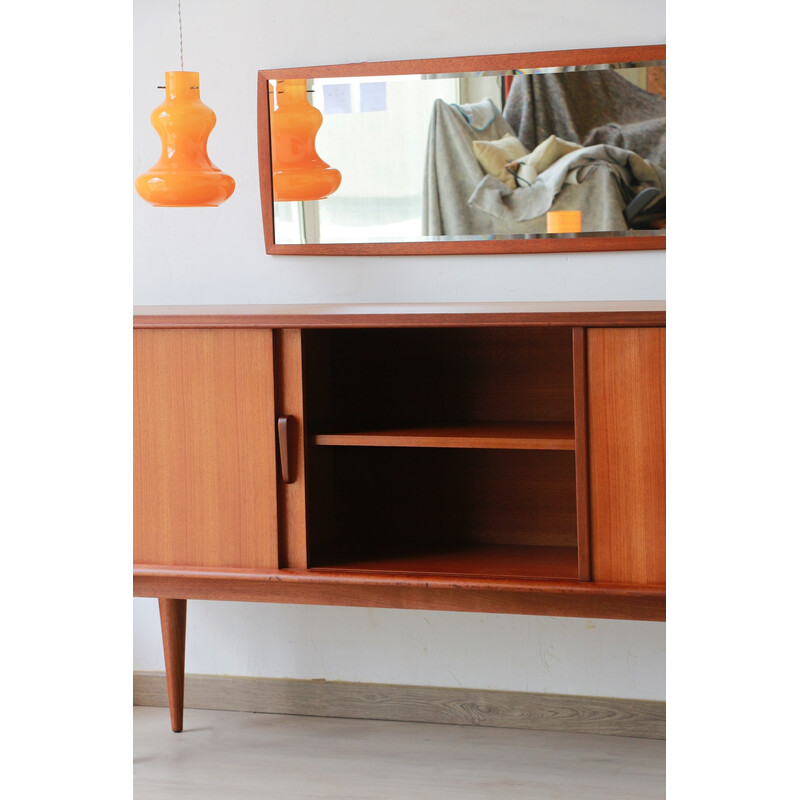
543 156
494 155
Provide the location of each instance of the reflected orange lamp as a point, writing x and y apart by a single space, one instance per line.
184 174
298 173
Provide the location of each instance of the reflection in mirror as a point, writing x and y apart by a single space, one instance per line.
575 151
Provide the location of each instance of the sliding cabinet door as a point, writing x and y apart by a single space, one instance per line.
204 448
626 416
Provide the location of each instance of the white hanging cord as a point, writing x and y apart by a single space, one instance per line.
180 30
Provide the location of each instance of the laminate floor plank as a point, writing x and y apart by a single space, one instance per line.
231 755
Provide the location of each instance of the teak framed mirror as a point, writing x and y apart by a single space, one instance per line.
519 153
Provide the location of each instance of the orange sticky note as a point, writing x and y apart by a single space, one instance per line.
563 221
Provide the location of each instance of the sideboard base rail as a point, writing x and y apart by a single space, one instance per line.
436 593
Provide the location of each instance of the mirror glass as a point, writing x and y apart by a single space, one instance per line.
524 153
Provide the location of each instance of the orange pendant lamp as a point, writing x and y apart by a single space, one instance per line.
184 174
298 173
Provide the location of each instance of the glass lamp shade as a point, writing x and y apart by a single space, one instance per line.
184 175
298 173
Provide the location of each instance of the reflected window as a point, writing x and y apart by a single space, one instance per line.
375 132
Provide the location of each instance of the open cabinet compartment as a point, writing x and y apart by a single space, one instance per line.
442 451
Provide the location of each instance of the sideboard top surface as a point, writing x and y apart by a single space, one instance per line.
396 315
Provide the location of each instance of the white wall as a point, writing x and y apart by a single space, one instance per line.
207 256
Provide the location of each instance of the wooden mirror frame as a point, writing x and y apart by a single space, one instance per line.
490 63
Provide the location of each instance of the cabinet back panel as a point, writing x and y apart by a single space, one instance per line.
413 376
204 448
398 498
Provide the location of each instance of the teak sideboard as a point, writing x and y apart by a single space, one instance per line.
480 457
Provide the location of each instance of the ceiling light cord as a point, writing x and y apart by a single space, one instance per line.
180 31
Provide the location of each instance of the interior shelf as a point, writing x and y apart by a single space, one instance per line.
487 436
474 560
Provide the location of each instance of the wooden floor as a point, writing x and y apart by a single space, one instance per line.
232 755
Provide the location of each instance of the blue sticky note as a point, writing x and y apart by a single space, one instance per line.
336 97
373 96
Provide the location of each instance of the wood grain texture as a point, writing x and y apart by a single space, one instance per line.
626 379
292 495
413 487
265 157
607 716
396 315
496 436
485 595
204 448
581 454
212 520
403 378
173 635
477 560
486 63
532 243
402 501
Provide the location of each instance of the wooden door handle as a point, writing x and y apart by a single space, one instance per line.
284 448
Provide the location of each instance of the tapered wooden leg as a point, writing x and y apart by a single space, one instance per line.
173 634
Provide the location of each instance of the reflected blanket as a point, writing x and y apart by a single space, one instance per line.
602 179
